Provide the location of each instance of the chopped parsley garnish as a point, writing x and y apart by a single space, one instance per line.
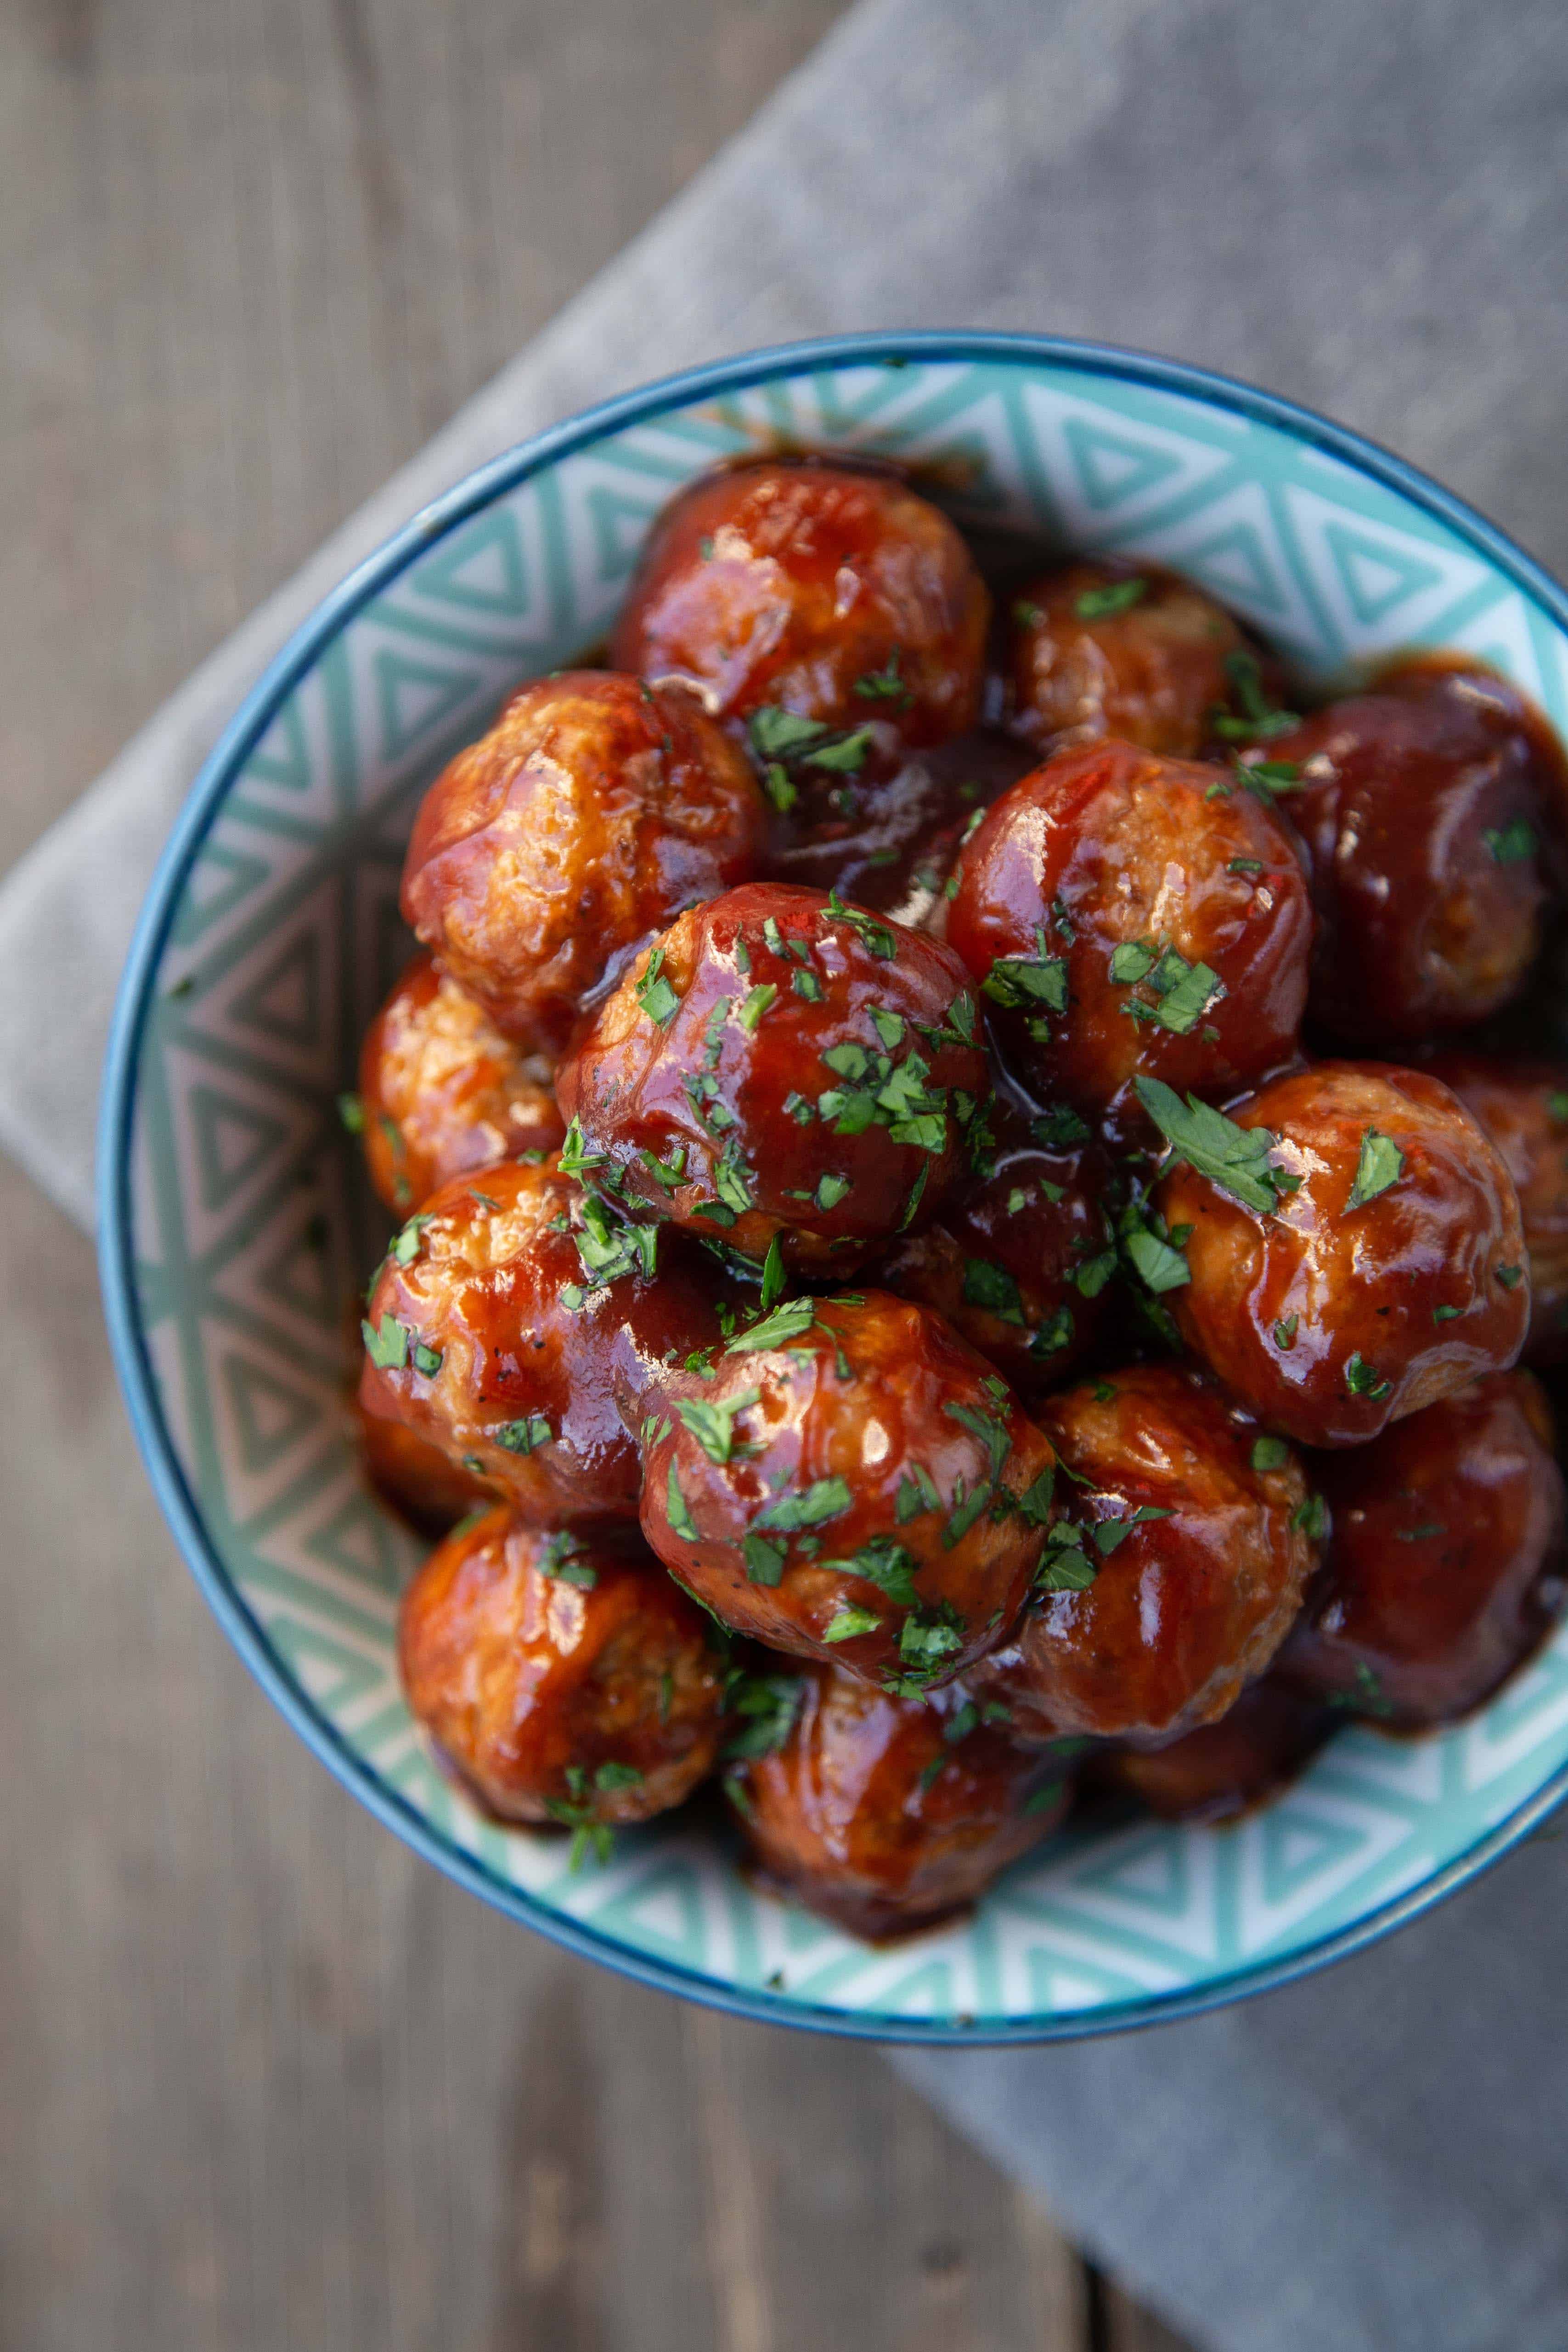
810 1506
1133 961
846 756
406 1248
675 1511
767 1705
654 992
765 1560
1285 1331
1152 1249
772 1275
1267 780
830 1189
1090 1276
1116 596
1446 1314
1058 1127
1310 1518
917 1493
1269 1454
756 1004
1513 843
711 1420
1027 615
1557 1107
1366 1694
1423 1534
387 1347
779 735
884 685
1246 866
1034 1502
1234 1158
560 1555
778 787
1020 983
885 1564
575 1156
1107 1534
850 1624
1510 1276
609 1248
1259 720
1183 992
928 1638
992 1289
873 935
1066 1567
351 1111
790 1321
1363 1378
524 1436
807 984
1381 1164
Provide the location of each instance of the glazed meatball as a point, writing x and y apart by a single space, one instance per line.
421 1481
1445 1565
1422 807
1015 1259
1257 1747
850 1481
885 1813
1109 649
1125 913
819 593
1175 1573
561 1678
781 1063
1524 1107
442 1091
595 809
511 1320
1352 1244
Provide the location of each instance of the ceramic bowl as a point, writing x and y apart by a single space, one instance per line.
236 1225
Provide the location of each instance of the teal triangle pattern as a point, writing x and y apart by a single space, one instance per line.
1298 1847
1149 1872
483 571
1114 468
359 1540
661 1912
284 1005
283 757
413 697
1376 577
233 1140
619 526
221 879
300 1273
335 1675
270 1414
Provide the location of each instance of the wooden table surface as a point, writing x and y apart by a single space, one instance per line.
265 2080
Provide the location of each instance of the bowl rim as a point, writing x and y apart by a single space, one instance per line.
133 1361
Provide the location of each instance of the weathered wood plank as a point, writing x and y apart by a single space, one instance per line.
265 2079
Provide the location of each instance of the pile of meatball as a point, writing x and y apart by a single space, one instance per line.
969 1213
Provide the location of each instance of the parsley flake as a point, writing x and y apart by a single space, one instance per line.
1116 596
1363 1378
1513 843
1234 1158
1381 1164
654 992
711 1420
1269 1454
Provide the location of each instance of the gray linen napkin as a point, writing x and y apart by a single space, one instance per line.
1364 207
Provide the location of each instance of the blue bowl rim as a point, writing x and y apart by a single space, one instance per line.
118 1103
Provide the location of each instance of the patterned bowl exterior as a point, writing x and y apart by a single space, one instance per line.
237 1223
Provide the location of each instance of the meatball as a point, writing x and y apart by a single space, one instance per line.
595 809
781 1063
563 1679
1015 1259
1106 649
1352 1245
1125 913
1255 1749
1524 1107
1444 1565
417 1477
1422 806
815 592
510 1322
886 1813
1176 1572
850 1481
442 1091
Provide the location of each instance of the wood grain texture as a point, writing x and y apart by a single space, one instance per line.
265 2079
